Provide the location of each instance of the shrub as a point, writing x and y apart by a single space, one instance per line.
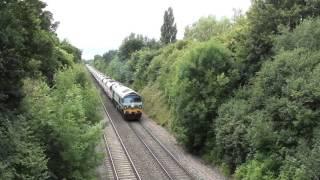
255 169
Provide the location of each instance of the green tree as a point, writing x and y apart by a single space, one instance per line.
169 27
108 56
206 28
28 47
129 45
203 80
69 48
139 63
265 17
20 23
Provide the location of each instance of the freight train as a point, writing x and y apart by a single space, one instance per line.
127 101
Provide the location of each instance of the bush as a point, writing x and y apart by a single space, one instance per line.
202 79
231 127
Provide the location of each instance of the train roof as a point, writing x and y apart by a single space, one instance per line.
111 83
117 87
123 91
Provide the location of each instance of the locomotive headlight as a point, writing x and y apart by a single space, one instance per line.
125 107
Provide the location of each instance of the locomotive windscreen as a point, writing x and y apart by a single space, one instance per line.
132 99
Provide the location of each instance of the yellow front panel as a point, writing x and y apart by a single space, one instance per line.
134 110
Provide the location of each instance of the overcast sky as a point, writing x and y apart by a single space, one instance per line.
96 26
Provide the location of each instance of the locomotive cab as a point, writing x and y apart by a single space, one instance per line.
132 106
127 101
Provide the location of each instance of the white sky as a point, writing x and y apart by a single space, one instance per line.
96 26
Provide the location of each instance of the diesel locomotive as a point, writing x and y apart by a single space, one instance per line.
127 101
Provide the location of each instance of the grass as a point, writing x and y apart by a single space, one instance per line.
155 105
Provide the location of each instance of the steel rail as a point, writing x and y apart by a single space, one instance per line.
167 151
111 158
152 154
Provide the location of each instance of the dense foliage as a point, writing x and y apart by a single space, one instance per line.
264 19
48 116
64 119
242 93
283 100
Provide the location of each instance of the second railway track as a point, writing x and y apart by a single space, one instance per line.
170 165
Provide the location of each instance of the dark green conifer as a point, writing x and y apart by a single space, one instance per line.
169 27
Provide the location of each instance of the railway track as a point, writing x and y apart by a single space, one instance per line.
120 161
169 164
